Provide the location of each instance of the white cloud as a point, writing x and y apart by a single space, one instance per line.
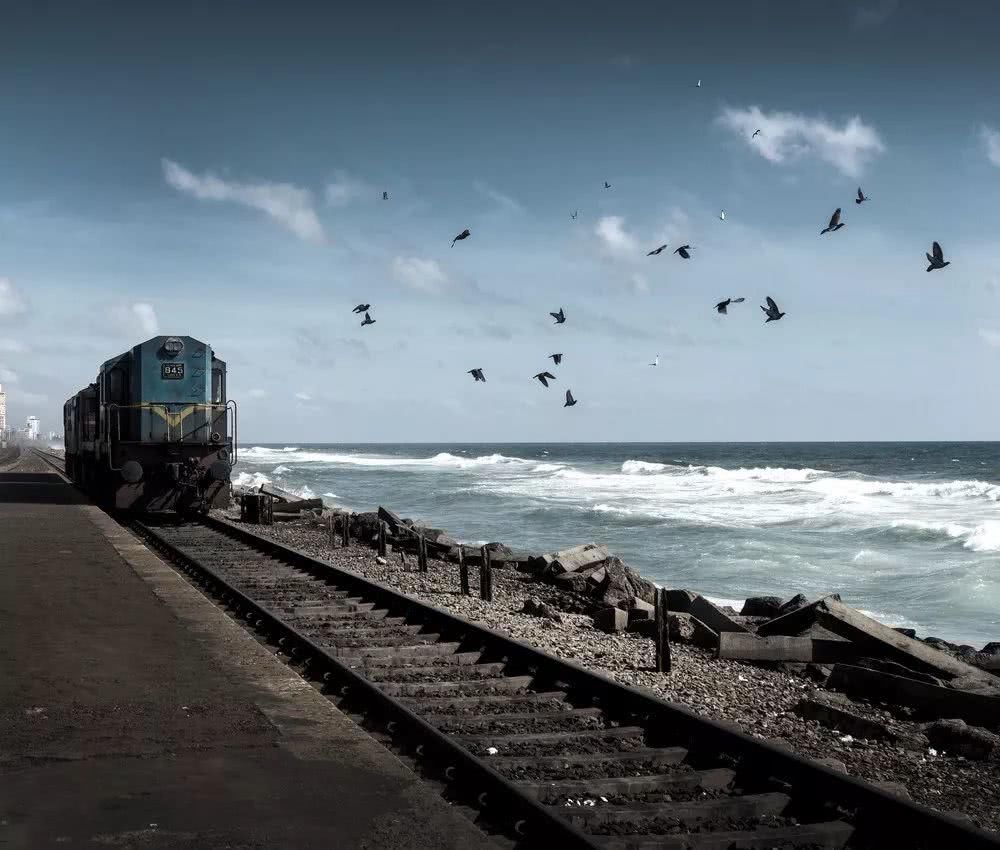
301 396
615 240
289 205
990 337
12 302
7 376
12 346
876 15
787 136
639 283
420 274
135 318
344 189
499 198
257 392
991 140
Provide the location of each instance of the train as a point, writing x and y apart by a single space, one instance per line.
155 432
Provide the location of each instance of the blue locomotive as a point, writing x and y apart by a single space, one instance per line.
155 431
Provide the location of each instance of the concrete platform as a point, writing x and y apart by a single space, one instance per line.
134 713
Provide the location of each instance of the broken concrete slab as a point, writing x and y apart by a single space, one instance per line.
929 700
747 647
897 670
571 560
680 600
391 519
611 620
713 616
873 638
688 628
834 717
761 606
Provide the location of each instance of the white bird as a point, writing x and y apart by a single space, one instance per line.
656 361
699 84
722 215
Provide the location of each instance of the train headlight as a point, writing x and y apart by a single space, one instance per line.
173 346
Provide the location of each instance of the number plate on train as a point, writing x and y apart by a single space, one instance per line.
172 371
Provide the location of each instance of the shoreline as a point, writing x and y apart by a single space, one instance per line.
778 702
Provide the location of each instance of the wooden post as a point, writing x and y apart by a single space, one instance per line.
333 532
422 554
381 539
662 632
463 572
346 529
486 576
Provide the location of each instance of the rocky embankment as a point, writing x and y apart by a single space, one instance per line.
817 677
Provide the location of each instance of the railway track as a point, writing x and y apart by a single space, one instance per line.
549 754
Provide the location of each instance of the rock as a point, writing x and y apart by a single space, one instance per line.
611 620
834 764
954 736
799 600
687 629
534 606
499 549
713 616
622 584
761 606
680 600
572 582
992 648
392 519
897 789
910 633
834 717
364 526
897 670
596 577
641 609
818 672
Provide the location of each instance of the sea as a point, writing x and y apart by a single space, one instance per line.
907 532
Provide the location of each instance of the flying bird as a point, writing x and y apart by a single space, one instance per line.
556 358
607 185
574 214
545 377
722 306
656 361
657 250
722 215
683 251
385 196
835 223
862 197
477 374
560 317
570 401
772 311
698 86
361 308
368 320
463 235
756 133
937 261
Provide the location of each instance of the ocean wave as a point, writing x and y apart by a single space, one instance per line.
984 537
442 460
251 479
280 470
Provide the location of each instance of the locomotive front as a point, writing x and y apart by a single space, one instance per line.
163 438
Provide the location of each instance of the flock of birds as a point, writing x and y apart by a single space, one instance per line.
771 310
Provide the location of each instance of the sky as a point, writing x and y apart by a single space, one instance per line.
217 170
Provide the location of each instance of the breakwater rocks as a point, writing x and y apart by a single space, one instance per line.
813 675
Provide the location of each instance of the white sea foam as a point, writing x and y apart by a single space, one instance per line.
280 470
251 479
442 460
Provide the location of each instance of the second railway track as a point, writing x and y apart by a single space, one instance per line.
549 753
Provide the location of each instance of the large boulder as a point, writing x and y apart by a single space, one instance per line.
799 600
577 558
534 606
954 736
364 526
621 585
762 606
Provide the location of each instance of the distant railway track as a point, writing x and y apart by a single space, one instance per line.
549 753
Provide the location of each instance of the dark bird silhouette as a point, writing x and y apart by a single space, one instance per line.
556 358
657 250
574 214
937 261
463 235
772 311
683 251
607 185
722 306
361 308
570 401
385 196
835 223
560 317
656 361
545 377
756 133
477 374
861 198
368 320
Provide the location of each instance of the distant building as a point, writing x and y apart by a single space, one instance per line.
3 411
32 427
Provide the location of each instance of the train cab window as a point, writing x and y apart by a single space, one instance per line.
218 386
116 386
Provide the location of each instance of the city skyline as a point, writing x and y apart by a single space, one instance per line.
219 172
